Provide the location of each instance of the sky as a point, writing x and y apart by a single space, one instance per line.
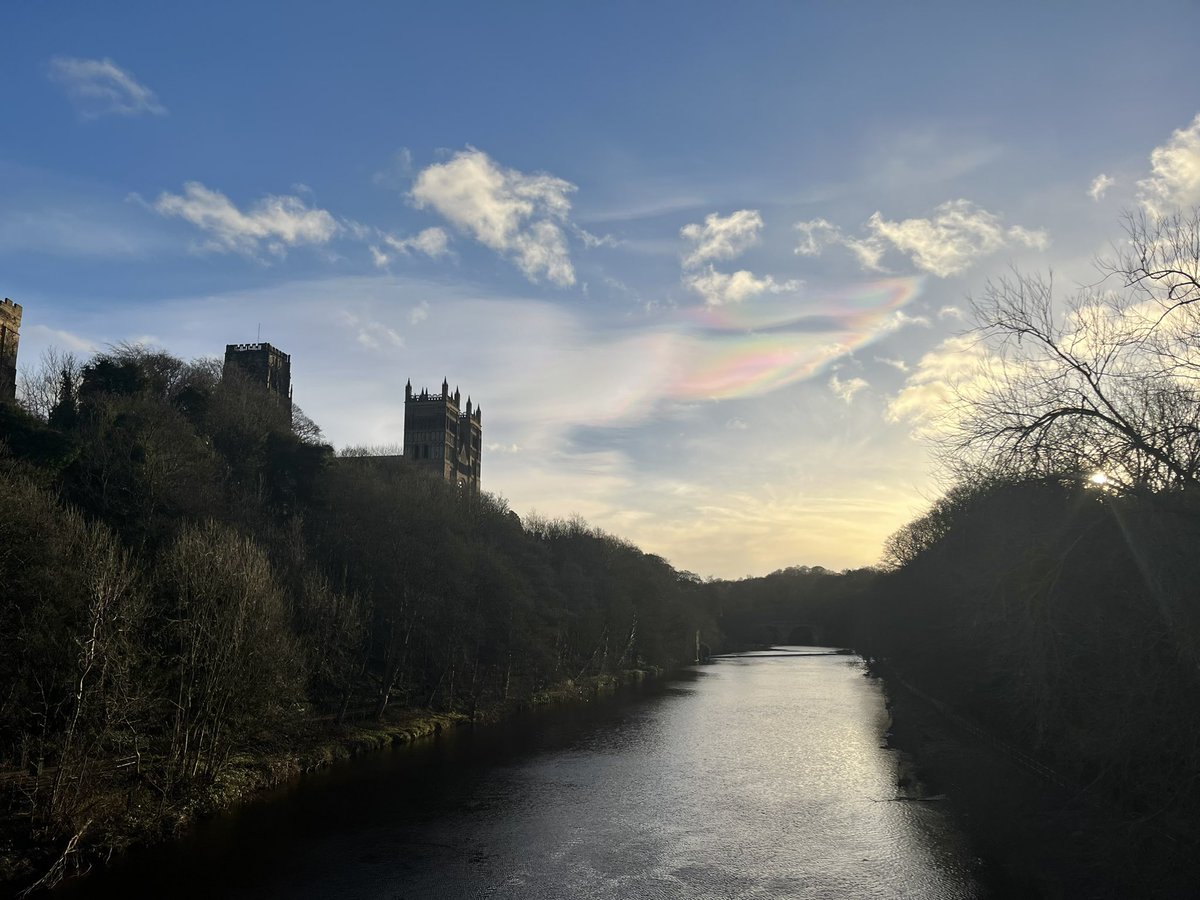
704 266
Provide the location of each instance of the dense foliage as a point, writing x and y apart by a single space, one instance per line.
190 575
1051 595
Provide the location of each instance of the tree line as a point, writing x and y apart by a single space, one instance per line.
1051 594
192 576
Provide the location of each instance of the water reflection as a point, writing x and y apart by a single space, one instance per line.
757 777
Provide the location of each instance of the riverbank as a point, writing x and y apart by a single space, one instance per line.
1037 836
132 815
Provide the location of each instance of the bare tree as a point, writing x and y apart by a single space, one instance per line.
1107 382
41 386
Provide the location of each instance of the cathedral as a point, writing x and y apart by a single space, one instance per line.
441 439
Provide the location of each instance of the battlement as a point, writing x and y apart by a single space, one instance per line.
13 309
254 348
264 364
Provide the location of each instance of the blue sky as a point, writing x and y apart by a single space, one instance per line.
701 264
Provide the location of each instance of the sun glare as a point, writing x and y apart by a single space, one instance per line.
1098 478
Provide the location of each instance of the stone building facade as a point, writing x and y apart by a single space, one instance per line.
264 365
440 438
10 336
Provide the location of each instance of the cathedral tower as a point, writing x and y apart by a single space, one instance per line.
441 439
264 365
10 335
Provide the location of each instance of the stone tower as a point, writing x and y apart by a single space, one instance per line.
439 438
264 365
10 336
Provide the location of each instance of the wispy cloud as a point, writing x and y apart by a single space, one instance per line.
721 237
932 392
726 237
431 242
1100 185
99 87
720 288
957 235
518 215
273 223
1175 172
372 334
845 389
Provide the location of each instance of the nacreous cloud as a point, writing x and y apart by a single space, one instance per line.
957 235
274 222
520 216
99 87
1175 172
721 238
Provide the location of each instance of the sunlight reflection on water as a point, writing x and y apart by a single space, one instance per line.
758 777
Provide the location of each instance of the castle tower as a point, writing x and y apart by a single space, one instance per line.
264 365
439 438
10 336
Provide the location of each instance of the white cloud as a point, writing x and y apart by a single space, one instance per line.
721 238
736 424
898 364
99 87
954 369
592 241
816 235
1100 184
900 319
950 312
724 238
958 234
372 334
419 313
948 243
521 216
274 222
845 390
1175 168
719 288
433 242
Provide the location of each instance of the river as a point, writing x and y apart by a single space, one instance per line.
756 777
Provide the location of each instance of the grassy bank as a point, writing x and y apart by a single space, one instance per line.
133 814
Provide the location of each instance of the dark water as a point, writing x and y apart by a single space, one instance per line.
753 777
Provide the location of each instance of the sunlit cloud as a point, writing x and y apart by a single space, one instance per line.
720 288
431 242
721 237
726 237
1175 172
518 215
898 364
274 223
949 242
845 389
99 87
1100 185
955 369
